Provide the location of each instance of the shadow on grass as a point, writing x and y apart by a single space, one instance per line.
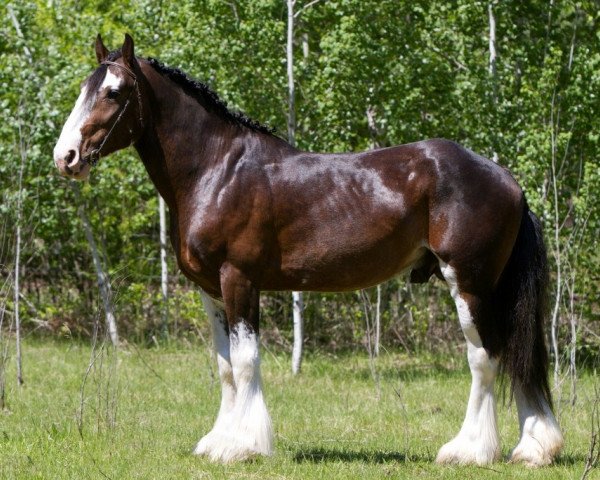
322 455
570 459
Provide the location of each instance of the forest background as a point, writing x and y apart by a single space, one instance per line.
515 81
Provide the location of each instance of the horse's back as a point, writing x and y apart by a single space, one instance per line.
357 219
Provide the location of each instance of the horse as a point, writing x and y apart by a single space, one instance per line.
251 213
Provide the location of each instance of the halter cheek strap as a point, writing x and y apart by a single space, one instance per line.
94 155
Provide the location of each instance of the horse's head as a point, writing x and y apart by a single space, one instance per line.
108 114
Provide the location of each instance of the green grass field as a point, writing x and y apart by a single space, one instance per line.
144 412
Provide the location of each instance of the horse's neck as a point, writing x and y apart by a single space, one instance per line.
182 142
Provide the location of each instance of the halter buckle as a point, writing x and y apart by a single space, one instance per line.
94 157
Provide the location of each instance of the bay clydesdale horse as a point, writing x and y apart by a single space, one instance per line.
249 212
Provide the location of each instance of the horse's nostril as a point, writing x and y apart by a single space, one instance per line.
70 156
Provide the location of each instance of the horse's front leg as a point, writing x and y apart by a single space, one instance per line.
214 443
246 430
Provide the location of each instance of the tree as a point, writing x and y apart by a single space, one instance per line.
297 297
103 280
164 268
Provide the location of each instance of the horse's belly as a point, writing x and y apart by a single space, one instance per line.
358 272
346 256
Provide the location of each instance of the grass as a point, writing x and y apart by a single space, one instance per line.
331 422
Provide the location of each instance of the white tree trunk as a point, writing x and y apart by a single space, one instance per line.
492 62
377 322
23 152
372 123
164 271
290 74
103 281
16 24
17 292
297 297
17 285
572 314
557 248
492 40
573 349
298 307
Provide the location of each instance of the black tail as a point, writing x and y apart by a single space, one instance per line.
521 301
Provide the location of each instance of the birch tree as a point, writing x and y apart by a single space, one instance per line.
103 280
297 297
373 130
19 212
164 271
492 63
17 273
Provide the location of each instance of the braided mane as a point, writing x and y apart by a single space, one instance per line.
195 89
207 97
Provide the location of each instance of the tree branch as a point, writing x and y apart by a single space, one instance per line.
305 7
15 22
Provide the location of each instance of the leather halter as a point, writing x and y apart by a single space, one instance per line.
123 67
94 155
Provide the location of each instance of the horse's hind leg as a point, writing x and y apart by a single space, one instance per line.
541 439
212 444
478 441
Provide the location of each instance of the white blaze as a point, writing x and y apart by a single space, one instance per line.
110 80
70 137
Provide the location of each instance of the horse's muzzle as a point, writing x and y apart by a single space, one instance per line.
72 165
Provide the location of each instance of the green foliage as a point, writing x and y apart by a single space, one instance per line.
422 67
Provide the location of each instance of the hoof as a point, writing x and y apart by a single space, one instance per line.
535 452
223 447
541 440
464 451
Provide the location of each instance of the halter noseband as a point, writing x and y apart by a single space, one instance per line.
94 155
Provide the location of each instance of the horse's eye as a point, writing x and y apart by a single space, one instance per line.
112 94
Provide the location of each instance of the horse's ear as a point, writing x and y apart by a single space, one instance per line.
101 50
127 51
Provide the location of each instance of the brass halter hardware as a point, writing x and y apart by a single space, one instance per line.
94 155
